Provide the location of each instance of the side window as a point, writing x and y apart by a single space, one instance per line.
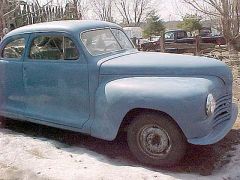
181 34
14 49
53 48
169 35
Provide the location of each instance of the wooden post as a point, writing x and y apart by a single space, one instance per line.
44 14
198 49
23 17
29 15
134 40
50 13
33 14
62 12
162 42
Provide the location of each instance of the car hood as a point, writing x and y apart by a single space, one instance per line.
163 64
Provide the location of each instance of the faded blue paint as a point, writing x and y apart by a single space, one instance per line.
47 84
92 95
12 89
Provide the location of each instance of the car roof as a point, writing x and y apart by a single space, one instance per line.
176 30
70 26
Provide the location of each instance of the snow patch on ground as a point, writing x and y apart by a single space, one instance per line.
25 157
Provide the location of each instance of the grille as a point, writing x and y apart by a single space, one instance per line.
223 109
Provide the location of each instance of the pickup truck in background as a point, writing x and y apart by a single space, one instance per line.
180 36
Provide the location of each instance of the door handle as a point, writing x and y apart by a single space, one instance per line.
24 72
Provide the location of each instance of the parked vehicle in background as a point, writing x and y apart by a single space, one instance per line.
205 32
86 76
180 37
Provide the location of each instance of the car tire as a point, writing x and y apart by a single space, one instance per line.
155 139
2 122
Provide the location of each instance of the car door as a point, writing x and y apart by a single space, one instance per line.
12 51
55 77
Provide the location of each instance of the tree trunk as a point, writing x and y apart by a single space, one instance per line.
232 47
162 42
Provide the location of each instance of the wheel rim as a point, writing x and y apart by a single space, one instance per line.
154 141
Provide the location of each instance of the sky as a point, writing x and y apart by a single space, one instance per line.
169 10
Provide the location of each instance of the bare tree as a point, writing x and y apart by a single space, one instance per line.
7 9
103 9
78 8
227 11
2 6
133 12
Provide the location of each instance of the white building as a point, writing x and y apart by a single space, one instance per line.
133 32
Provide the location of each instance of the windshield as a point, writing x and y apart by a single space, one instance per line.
104 41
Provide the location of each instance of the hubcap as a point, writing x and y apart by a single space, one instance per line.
154 141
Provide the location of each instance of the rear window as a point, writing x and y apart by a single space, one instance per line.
14 49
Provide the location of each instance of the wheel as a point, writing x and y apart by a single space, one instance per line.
155 139
2 122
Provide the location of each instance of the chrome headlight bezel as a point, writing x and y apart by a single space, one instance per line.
210 105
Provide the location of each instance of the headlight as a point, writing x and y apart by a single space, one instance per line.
210 105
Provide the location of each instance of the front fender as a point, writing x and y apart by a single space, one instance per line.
182 98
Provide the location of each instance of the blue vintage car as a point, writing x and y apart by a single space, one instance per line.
86 76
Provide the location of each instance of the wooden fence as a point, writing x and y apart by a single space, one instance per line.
26 14
196 48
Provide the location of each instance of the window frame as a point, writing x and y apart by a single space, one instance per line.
54 33
105 28
10 39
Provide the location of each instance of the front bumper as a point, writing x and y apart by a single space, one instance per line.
219 131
